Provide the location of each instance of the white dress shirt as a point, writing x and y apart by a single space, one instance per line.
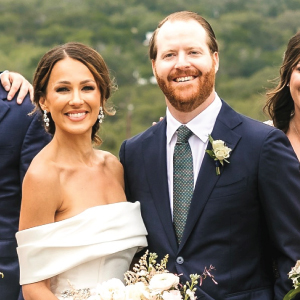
201 126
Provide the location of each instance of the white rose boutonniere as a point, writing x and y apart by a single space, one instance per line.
294 274
220 152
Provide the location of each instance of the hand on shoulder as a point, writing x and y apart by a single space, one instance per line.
14 82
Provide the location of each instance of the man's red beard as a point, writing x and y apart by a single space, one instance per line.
178 99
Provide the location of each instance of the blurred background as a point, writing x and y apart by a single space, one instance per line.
252 36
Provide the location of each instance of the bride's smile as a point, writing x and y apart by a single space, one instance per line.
76 115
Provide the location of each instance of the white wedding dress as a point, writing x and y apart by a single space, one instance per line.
89 248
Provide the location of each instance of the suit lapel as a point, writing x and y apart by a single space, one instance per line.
154 154
226 121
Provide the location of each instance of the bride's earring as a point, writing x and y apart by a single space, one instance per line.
46 119
101 115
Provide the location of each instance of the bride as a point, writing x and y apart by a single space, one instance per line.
76 228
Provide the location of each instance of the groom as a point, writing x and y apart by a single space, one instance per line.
244 221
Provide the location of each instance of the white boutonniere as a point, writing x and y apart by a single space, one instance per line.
294 274
220 152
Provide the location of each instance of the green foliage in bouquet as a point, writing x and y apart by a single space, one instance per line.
148 280
158 283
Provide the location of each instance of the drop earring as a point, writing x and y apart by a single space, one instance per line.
46 119
101 115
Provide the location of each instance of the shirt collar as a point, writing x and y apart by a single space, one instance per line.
202 125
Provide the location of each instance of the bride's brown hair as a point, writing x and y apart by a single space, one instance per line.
91 59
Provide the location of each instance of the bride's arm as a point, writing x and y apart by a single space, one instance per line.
38 290
39 205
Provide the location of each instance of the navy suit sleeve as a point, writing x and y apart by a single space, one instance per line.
279 182
121 152
122 160
35 139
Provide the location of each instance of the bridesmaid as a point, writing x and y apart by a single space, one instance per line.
283 102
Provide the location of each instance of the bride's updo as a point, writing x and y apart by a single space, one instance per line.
91 59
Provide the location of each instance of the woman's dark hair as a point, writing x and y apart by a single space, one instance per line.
280 104
91 59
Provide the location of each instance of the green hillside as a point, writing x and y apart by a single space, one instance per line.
252 36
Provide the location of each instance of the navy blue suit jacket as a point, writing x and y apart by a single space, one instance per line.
244 222
21 138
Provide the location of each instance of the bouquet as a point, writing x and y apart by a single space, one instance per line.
294 274
149 280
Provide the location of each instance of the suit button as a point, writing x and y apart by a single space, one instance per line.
180 260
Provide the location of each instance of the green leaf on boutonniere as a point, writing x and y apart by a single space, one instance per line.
211 153
291 294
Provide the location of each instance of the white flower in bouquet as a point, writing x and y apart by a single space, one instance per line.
163 282
113 289
191 294
142 273
94 297
172 295
137 291
149 280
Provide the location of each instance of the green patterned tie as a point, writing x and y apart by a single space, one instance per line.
183 180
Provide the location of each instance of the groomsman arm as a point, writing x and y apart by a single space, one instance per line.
279 188
35 139
14 82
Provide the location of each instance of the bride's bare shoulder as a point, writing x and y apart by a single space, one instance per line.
109 159
41 164
42 172
111 163
111 170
